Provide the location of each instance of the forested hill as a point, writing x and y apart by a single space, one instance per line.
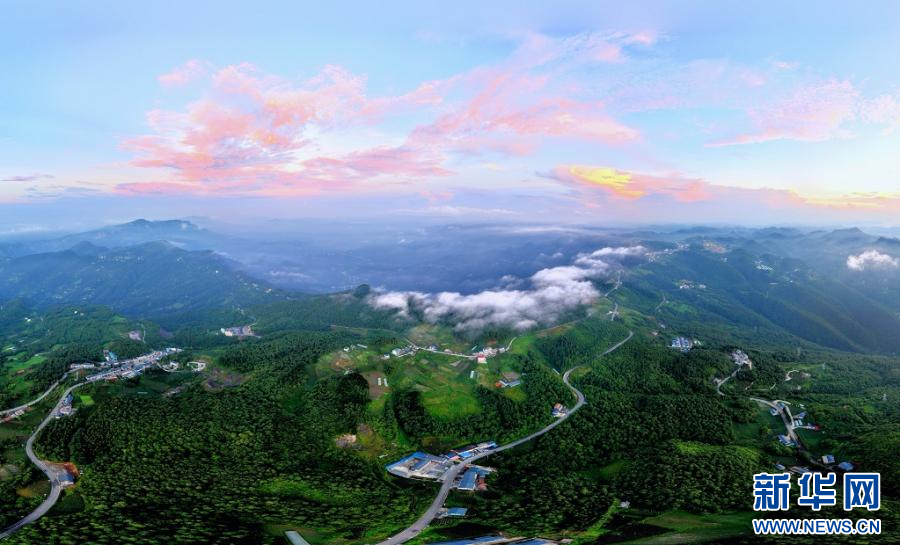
155 279
758 293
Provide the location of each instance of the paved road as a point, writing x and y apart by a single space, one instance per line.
786 417
52 474
614 313
451 474
37 399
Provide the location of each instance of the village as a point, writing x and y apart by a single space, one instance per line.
420 465
115 369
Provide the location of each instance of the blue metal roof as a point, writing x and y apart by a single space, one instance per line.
470 541
468 480
420 464
401 460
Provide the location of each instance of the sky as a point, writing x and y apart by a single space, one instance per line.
581 112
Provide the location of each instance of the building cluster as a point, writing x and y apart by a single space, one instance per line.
776 410
65 407
714 247
559 410
13 415
452 512
510 380
487 352
462 454
132 367
683 343
690 285
760 266
798 421
421 465
400 352
740 358
240 332
474 479
829 460
786 441
497 540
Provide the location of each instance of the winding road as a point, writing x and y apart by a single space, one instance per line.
450 476
52 473
38 399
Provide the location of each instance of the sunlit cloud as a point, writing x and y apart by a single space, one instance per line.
550 293
636 121
258 133
660 193
872 259
630 185
184 74
812 113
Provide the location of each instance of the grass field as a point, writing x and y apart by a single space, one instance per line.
765 428
690 528
14 373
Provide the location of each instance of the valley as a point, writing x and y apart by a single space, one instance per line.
300 419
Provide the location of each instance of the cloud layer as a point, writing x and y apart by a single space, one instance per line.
872 259
553 292
256 133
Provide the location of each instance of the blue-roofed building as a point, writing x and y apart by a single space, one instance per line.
419 465
846 466
483 540
786 441
534 541
469 480
294 538
452 512
467 452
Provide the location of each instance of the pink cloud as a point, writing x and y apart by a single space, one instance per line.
812 113
662 193
883 110
580 49
513 111
626 185
253 132
435 197
184 74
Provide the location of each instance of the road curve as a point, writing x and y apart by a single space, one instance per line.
36 400
52 475
451 474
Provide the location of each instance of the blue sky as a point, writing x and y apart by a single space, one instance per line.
663 111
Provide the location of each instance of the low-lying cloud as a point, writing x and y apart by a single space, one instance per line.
872 259
552 293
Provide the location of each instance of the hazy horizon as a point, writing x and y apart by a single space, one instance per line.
576 114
